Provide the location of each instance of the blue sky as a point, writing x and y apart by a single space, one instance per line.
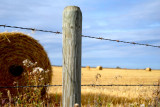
128 20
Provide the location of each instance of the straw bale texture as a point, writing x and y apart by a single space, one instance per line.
14 49
148 69
99 68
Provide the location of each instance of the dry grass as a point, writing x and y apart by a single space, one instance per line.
16 47
28 96
148 69
117 95
88 67
99 68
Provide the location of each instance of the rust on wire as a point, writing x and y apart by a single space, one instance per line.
100 38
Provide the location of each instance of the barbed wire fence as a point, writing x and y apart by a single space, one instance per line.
92 37
93 85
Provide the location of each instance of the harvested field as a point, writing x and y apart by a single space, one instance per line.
112 95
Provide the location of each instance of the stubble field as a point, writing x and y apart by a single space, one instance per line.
112 95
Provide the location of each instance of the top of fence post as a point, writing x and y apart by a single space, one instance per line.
72 31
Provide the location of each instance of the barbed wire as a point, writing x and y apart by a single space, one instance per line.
100 38
134 43
32 29
28 86
93 85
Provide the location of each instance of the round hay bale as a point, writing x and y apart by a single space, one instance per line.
14 49
99 68
148 69
88 67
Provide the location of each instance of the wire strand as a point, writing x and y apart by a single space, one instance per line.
93 85
100 38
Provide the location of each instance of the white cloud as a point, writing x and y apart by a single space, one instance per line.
137 21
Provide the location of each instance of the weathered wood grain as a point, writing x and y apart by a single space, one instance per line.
72 30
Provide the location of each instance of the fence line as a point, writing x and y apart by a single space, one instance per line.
32 29
28 86
100 38
134 43
93 85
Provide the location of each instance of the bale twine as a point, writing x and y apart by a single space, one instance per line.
99 68
88 67
14 49
148 69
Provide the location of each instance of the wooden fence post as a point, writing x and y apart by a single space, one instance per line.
72 30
